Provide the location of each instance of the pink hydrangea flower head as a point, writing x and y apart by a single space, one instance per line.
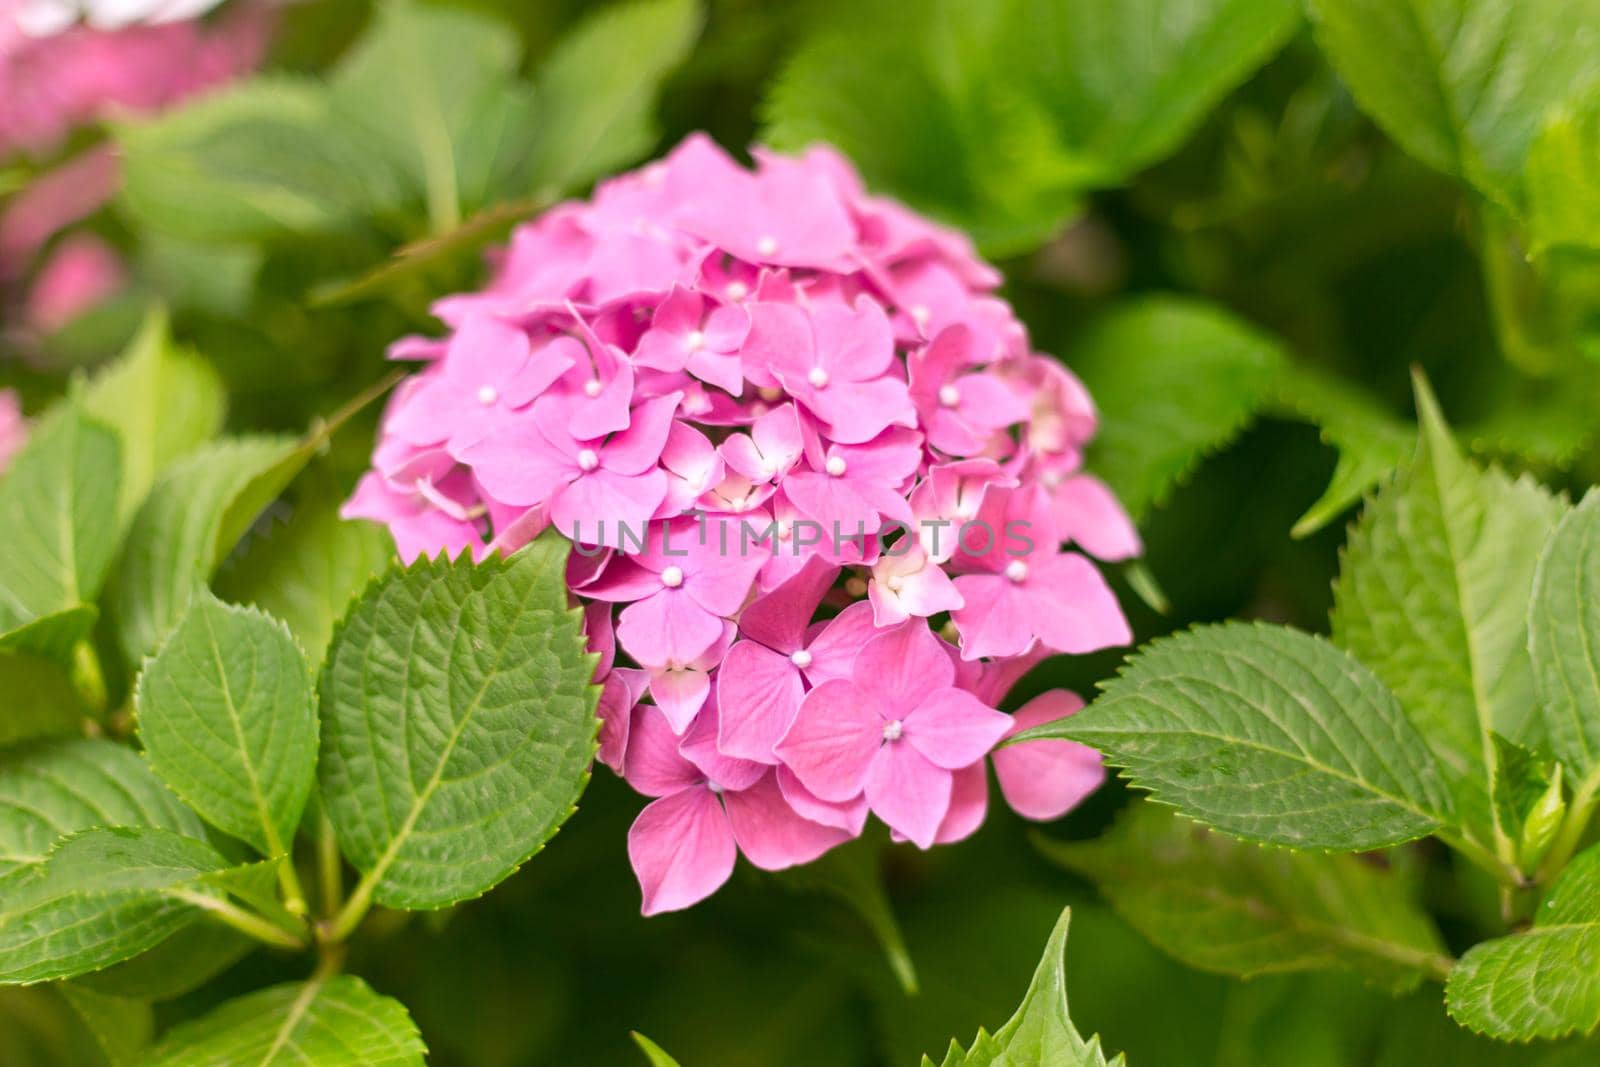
826 503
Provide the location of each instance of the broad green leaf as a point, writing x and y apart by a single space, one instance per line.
58 508
432 91
180 964
196 512
1235 908
1463 85
1522 781
1041 1032
1544 982
653 1052
161 399
37 699
1432 596
307 571
54 788
53 636
458 723
1174 379
1564 638
596 92
1563 180
321 1023
1268 734
260 159
999 116
228 719
1370 441
101 896
123 1026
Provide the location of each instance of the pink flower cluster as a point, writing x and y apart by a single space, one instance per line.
52 84
818 486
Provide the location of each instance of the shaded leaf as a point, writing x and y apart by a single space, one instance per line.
1564 638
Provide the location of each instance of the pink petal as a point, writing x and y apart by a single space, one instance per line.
856 412
636 449
993 619
1044 780
969 804
679 692
618 697
667 627
653 765
836 643
955 729
758 693
1071 607
908 792
603 507
832 741
779 618
682 850
849 816
1087 512
699 746
899 669
770 833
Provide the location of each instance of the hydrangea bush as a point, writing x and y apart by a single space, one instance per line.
383 446
818 482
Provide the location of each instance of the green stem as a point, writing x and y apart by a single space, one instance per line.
246 922
1504 873
342 925
1573 827
294 897
329 868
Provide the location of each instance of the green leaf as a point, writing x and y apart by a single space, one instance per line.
39 699
432 91
261 159
998 117
180 964
123 1026
161 399
596 92
196 512
1463 85
1268 734
101 896
322 1023
1544 982
1564 638
51 789
307 571
1174 379
1433 595
853 874
227 717
54 504
653 1052
1041 1032
1234 908
1371 442
53 636
458 724
1563 179
1522 779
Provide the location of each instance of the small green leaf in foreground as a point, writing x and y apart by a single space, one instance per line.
227 716
1545 982
321 1023
1041 1032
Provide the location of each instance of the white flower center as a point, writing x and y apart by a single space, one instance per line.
487 394
672 577
767 246
920 315
801 659
818 378
737 290
695 341
785 529
593 387
588 459
713 786
894 582
893 729
835 466
949 396
1016 570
